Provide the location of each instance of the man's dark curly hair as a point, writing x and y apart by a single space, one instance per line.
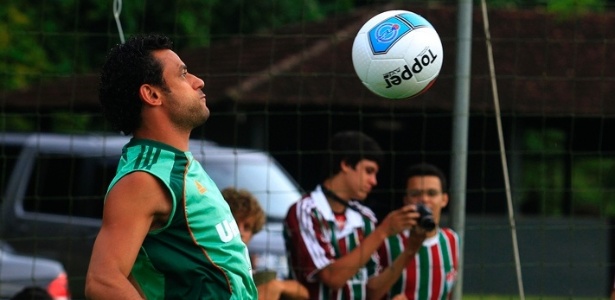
351 147
129 66
426 169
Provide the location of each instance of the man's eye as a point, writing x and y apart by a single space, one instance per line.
418 193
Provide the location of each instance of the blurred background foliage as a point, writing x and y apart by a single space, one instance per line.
58 37
66 36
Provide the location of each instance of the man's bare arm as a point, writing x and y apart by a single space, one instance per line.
132 207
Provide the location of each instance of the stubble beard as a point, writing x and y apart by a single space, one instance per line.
188 118
194 118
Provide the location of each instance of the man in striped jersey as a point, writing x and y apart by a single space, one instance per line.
431 273
332 239
166 232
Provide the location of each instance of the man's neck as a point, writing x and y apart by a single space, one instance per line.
336 201
432 233
169 137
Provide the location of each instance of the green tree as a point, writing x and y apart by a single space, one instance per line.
46 40
19 52
41 39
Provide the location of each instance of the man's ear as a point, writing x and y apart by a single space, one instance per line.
150 94
444 200
345 166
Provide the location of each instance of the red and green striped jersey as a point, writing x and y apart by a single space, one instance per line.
314 239
432 272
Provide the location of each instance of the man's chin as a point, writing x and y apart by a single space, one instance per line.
204 119
361 197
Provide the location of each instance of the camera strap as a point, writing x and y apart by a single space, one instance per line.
331 195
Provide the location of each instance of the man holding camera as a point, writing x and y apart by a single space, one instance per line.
332 239
432 272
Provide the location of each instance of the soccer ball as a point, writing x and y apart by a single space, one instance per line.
397 54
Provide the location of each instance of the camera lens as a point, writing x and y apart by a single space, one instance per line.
426 220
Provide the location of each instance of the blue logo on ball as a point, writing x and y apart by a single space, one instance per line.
384 35
386 32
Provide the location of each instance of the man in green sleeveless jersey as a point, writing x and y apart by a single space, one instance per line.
433 270
166 232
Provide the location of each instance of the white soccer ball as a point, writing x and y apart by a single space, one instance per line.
397 54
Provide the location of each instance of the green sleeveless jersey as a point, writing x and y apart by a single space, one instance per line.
198 253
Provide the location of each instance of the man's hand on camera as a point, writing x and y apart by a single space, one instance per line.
400 219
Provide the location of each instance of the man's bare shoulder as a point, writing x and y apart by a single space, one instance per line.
139 194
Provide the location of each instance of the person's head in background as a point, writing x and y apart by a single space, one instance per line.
353 163
426 184
246 210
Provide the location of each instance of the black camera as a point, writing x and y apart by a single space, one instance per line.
426 220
